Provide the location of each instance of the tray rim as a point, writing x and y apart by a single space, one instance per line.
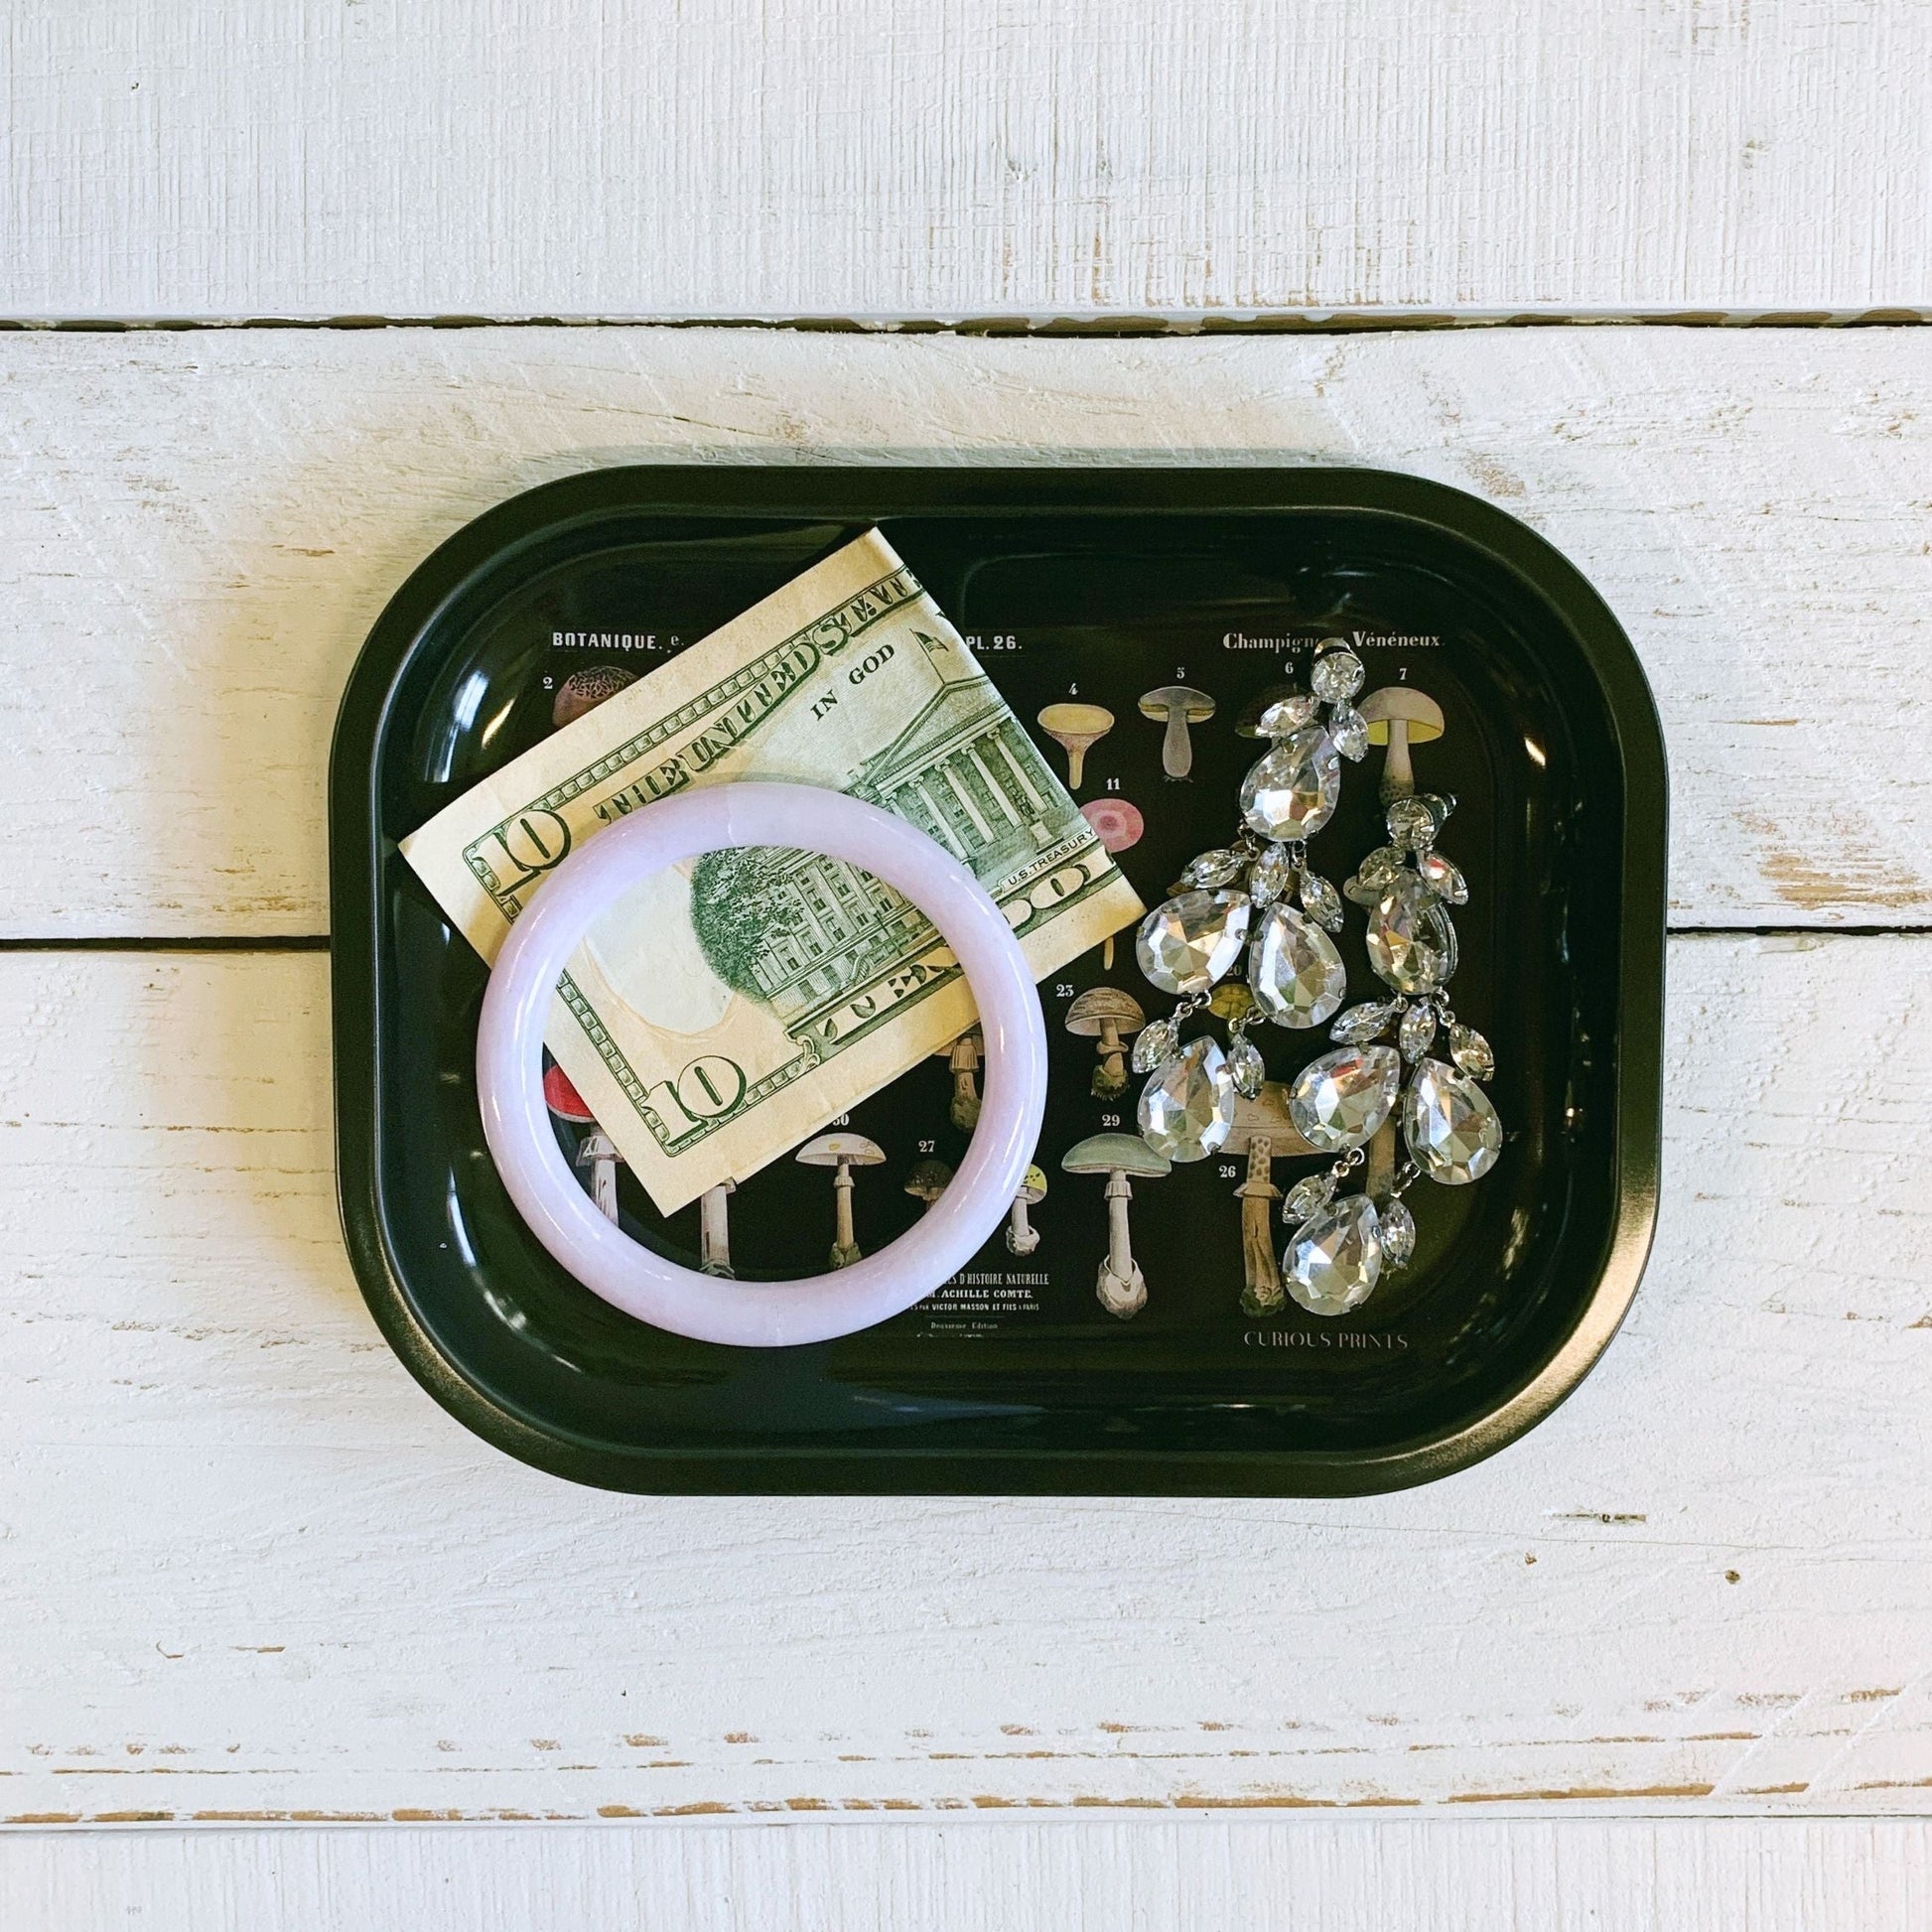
848 492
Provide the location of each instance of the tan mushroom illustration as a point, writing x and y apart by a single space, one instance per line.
714 1231
596 1150
1022 1236
1076 728
1176 706
1118 826
843 1151
927 1182
964 1056
1399 717
1111 1018
1122 1288
1263 1132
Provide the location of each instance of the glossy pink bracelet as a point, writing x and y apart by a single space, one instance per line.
759 1314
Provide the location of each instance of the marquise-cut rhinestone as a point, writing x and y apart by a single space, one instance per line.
1335 1259
1398 1233
1287 714
1211 869
1363 1022
1187 1108
1293 970
1375 874
1338 1101
1337 676
1307 1196
1470 1052
1417 1034
1188 942
1320 901
1270 874
1158 1044
1451 1129
1411 942
1291 792
1246 1067
1443 878
1349 729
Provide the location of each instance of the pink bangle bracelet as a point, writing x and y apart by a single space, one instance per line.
759 1314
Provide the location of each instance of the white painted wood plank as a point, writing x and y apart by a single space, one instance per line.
1412 1875
250 1572
956 158
198 530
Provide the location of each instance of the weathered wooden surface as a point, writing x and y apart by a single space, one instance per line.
1342 1875
198 530
251 1572
949 157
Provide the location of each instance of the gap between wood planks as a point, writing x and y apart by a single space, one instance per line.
1111 325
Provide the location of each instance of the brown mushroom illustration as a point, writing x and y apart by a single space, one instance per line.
1076 727
843 1151
928 1180
595 1150
1022 1236
964 1056
1399 717
714 1231
1263 1132
1106 1014
1121 1288
1177 706
585 690
1117 825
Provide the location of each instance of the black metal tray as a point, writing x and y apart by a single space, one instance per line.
1113 581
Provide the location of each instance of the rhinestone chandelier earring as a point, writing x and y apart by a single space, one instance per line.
1341 1101
1239 899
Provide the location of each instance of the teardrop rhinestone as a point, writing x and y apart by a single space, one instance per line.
1185 944
1363 1022
1270 874
1398 1233
1287 714
1291 792
1411 942
1307 1196
1443 878
1470 1052
1158 1044
1417 1034
1246 1068
1211 869
1375 874
1333 1260
1452 1131
1187 1108
1337 676
1338 1101
1349 729
1294 969
1320 901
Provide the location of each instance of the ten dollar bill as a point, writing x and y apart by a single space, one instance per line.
729 1008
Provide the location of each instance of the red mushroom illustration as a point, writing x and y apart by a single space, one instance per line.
596 1150
1117 825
